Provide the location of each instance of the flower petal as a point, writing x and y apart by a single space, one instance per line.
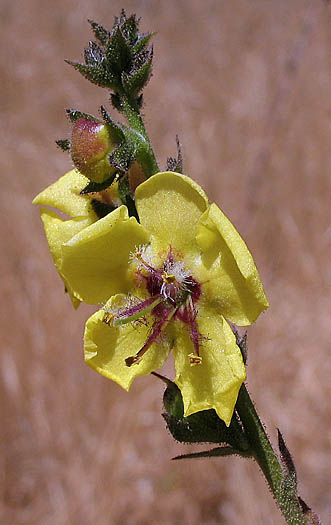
58 232
95 262
233 284
106 348
169 206
64 194
215 382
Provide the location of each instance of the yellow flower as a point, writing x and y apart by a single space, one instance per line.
174 280
64 195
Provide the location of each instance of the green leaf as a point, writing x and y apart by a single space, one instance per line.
285 457
214 452
202 427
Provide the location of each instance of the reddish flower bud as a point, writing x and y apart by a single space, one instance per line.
90 148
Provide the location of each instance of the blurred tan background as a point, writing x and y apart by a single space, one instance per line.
246 85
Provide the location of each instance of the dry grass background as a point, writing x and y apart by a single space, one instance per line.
246 85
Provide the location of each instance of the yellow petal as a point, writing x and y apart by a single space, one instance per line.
106 348
64 194
169 206
215 382
58 232
232 283
95 262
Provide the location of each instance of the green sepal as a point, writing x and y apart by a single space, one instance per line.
115 128
142 42
101 209
75 115
118 53
135 81
123 188
176 164
241 341
115 99
214 452
100 32
129 26
64 144
122 156
93 54
125 196
94 187
140 101
96 74
119 60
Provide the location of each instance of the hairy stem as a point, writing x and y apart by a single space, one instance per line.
267 459
135 120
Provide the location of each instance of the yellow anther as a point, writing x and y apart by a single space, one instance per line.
168 278
195 359
133 360
108 318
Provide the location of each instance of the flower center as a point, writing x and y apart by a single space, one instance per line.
173 293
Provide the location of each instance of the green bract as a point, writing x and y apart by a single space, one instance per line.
186 255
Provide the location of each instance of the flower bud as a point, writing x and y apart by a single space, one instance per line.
90 148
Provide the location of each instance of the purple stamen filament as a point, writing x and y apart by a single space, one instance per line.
158 327
194 332
137 311
171 296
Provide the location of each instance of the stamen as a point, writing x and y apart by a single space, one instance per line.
147 266
168 278
108 318
158 327
194 332
139 310
133 360
195 359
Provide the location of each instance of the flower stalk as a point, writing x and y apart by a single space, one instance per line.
263 453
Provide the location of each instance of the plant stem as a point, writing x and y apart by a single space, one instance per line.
136 123
267 459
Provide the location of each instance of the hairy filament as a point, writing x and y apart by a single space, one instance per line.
134 312
158 327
